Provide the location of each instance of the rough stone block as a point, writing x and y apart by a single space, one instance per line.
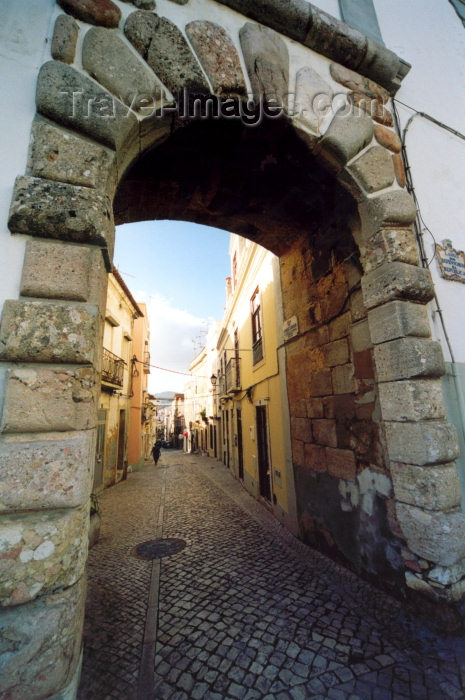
301 429
320 383
425 442
218 57
50 470
41 644
70 265
63 399
103 12
297 451
313 98
139 28
339 328
421 399
343 379
374 169
336 353
72 99
407 358
315 457
432 488
373 106
341 463
399 169
398 319
447 575
40 331
356 82
395 208
324 432
388 138
48 209
437 537
64 39
315 408
397 280
357 307
389 245
346 136
267 61
334 38
108 59
360 336
172 60
56 154
41 552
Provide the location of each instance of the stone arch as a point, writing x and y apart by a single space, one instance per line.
83 140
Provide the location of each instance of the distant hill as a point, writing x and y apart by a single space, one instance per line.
165 395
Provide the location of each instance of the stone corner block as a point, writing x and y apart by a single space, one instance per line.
56 470
434 536
46 551
421 443
432 488
346 136
48 209
407 358
412 400
394 208
42 331
397 280
374 169
398 319
389 245
70 265
46 629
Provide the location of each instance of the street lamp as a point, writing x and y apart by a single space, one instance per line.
213 380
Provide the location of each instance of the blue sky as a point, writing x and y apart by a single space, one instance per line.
178 269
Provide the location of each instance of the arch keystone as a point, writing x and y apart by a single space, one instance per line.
267 61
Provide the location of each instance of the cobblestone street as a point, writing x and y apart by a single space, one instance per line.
241 612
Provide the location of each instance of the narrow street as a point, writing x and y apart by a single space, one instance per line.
242 611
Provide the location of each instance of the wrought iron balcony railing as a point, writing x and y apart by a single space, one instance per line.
112 368
233 375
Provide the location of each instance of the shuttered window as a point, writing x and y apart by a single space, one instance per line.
361 15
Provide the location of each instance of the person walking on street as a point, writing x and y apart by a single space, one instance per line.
156 452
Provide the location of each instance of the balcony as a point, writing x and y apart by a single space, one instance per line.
233 375
257 351
112 368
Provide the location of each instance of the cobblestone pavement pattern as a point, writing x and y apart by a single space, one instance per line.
242 612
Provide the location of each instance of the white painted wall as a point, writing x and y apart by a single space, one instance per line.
24 29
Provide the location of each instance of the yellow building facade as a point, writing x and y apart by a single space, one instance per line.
250 381
111 459
142 430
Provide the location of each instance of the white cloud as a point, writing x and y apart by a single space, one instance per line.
172 335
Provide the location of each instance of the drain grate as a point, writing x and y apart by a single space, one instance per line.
157 549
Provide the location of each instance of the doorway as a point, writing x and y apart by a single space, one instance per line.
264 476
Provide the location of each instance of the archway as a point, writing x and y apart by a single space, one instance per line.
381 431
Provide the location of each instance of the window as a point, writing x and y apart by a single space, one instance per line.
234 270
361 15
257 344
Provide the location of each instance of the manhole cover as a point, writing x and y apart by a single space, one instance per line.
156 549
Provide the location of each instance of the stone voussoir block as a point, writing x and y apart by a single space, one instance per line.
48 209
407 358
412 400
64 39
432 487
374 169
218 57
56 154
434 536
43 552
313 95
398 319
108 59
346 136
386 209
397 280
70 98
43 331
388 138
63 399
41 646
71 270
55 470
421 443
102 12
267 61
